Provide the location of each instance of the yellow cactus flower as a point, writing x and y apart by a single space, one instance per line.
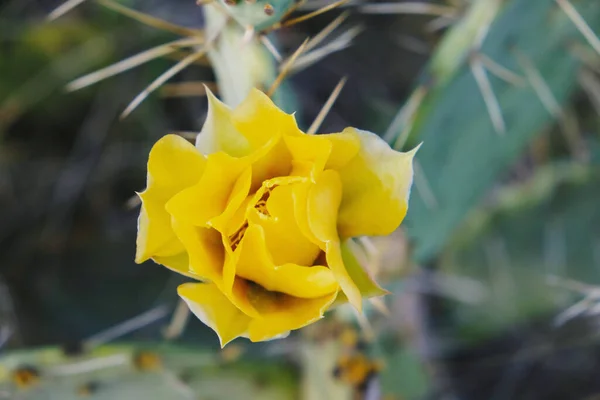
261 213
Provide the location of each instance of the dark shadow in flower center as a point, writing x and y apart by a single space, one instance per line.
236 238
321 259
261 204
264 300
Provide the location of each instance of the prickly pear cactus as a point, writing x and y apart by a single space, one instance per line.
135 371
526 250
258 14
240 62
482 100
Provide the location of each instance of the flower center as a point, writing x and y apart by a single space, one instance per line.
261 204
261 207
237 237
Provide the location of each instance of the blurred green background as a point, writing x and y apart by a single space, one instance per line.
494 273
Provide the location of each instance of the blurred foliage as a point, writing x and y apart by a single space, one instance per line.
152 371
464 152
547 227
68 168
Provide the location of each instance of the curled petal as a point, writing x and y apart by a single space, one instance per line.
204 248
271 160
344 148
207 302
174 165
323 200
219 133
259 120
254 264
376 186
179 263
287 313
229 219
309 154
208 198
284 240
237 293
300 196
154 235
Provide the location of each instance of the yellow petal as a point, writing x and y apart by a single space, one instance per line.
230 218
154 235
204 247
287 313
284 239
237 293
219 133
226 284
173 165
376 188
207 302
234 287
207 199
254 263
259 120
272 160
344 148
323 202
179 263
300 196
309 154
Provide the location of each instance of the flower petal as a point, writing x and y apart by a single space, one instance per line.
300 197
208 198
288 313
219 133
259 120
376 188
238 295
179 263
284 239
344 148
173 165
207 302
272 160
204 248
154 235
229 219
254 263
309 154
323 202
